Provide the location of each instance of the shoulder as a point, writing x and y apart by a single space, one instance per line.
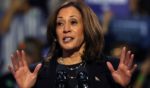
45 68
48 67
101 61
100 64
46 75
99 73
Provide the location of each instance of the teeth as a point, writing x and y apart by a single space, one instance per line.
67 39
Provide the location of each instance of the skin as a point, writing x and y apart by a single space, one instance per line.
70 27
72 51
125 69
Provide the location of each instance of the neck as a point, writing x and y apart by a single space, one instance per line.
72 57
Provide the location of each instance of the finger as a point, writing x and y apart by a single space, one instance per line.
110 67
11 70
19 58
134 67
37 68
131 61
127 58
14 62
123 53
24 58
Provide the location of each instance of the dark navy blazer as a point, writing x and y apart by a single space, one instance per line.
99 75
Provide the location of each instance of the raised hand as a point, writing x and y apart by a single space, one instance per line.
21 72
125 69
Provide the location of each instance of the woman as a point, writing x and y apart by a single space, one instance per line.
74 60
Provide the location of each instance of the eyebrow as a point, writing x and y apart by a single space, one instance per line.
70 16
73 16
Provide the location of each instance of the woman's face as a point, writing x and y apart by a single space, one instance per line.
69 28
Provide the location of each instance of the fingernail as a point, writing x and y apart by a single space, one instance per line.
21 50
40 63
124 47
132 55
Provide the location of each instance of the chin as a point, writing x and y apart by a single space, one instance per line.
69 48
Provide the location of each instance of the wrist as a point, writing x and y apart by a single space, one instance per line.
118 85
24 87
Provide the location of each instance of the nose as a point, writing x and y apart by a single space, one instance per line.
66 28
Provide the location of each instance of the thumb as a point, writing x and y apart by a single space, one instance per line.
37 68
110 67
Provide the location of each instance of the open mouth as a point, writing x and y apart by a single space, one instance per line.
67 39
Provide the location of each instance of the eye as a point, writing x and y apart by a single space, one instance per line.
59 23
73 22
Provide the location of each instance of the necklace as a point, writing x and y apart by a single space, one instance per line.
73 70
75 67
69 61
72 66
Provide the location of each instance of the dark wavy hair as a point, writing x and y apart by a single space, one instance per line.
93 35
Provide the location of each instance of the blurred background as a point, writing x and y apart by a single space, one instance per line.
125 23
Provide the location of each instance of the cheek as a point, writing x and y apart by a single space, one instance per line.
58 34
80 36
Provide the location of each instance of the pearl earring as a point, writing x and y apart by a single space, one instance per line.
55 40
